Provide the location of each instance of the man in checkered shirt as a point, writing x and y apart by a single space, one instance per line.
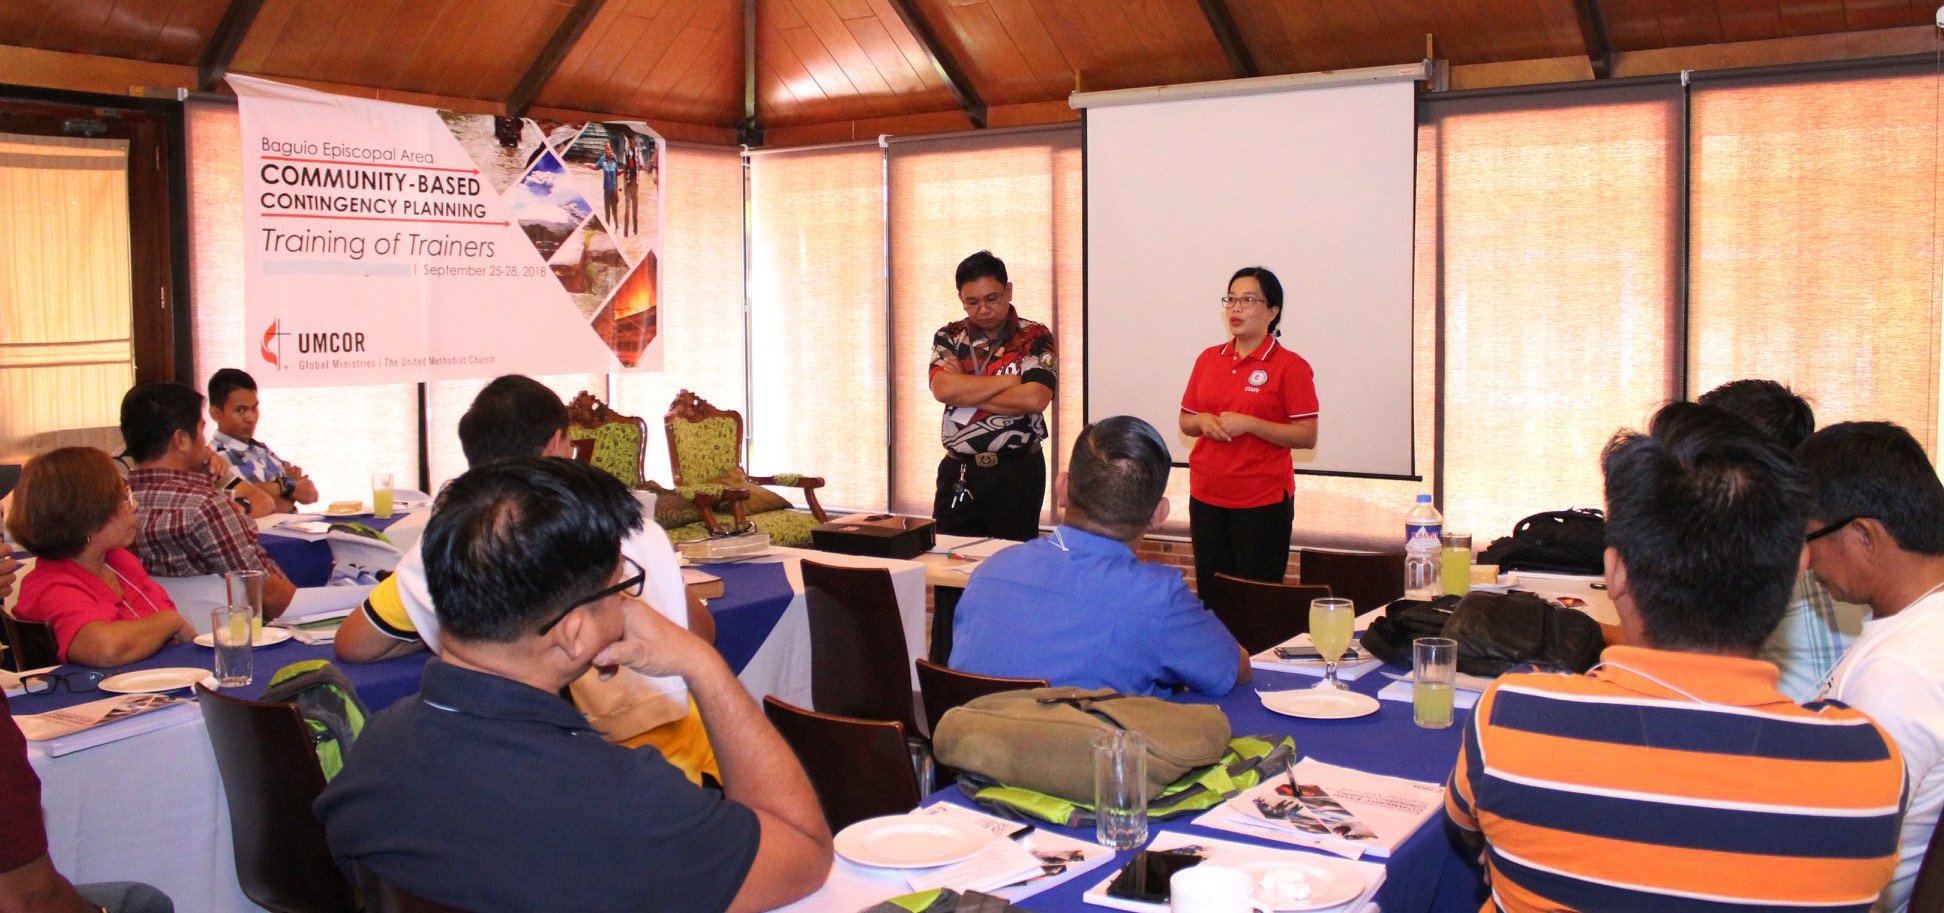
184 526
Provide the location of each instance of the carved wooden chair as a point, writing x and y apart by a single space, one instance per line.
705 449
614 443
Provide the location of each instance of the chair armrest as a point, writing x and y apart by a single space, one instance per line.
809 484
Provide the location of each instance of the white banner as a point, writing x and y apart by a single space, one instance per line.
387 242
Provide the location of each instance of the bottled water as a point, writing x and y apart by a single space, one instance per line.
1422 551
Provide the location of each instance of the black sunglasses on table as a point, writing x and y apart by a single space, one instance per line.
48 682
629 586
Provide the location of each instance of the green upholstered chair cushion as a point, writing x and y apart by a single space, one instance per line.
707 449
617 449
786 527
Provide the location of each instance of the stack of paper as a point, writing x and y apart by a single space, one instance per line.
1354 665
71 729
1334 809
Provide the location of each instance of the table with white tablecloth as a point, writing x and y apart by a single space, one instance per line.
151 808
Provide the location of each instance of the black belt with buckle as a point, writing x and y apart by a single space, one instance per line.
989 460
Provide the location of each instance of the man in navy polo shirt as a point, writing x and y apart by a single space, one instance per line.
490 792
1077 607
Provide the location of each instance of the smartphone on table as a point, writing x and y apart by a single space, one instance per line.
1146 876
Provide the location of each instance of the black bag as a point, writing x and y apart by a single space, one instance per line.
1500 632
1560 541
1389 638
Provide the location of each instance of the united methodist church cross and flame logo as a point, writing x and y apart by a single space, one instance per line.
273 344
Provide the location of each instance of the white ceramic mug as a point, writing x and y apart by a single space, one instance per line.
1212 889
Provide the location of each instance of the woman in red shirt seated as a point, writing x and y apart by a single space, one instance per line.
74 512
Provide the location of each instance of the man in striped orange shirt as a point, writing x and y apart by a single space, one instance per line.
1674 776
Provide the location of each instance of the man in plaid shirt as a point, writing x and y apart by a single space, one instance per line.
184 526
1816 629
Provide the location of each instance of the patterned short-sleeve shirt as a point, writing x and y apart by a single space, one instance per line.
253 460
1021 347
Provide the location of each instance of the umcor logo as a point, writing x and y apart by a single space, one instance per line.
271 337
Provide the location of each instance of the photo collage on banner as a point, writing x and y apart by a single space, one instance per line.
390 242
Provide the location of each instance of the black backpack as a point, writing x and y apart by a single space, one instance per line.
1559 541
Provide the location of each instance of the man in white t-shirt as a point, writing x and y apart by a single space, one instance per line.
1876 536
516 416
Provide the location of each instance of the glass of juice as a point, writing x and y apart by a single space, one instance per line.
381 495
1457 562
1331 623
1434 670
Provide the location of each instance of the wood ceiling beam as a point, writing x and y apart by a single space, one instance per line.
223 45
948 68
1230 38
1592 23
543 68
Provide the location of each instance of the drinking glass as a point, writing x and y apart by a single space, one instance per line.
245 588
381 495
232 634
1434 672
1331 622
1120 789
1457 562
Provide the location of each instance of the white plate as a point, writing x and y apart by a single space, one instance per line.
1318 703
911 841
153 681
1331 881
264 637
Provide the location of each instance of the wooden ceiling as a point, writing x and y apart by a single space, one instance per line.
831 68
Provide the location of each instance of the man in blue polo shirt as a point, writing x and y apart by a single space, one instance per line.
1077 607
488 792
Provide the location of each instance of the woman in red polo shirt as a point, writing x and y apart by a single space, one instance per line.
74 512
1250 401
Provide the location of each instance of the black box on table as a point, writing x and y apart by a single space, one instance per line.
876 535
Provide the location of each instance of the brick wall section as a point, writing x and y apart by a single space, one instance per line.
1182 555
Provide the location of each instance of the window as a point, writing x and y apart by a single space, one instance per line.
1557 217
1814 227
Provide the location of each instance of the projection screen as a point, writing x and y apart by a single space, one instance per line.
1315 183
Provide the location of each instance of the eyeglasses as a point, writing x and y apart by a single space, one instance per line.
1831 528
77 682
990 301
629 586
1243 301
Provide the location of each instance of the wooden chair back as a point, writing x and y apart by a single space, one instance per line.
689 408
270 777
587 413
30 644
1261 615
859 664
382 897
859 768
945 688
1927 893
1368 579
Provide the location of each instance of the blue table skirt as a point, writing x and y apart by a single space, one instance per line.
380 684
307 562
1427 873
753 600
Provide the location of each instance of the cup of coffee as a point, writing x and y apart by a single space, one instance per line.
1212 889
